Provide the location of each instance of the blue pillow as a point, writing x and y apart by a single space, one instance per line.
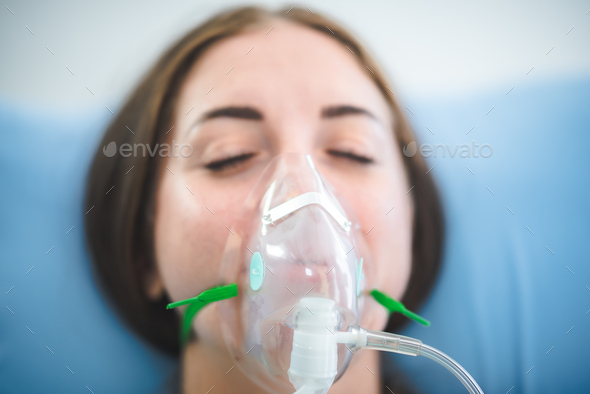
57 333
505 298
513 298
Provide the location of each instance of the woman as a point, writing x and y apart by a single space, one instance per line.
238 90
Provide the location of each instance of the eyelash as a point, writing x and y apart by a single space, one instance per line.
352 156
220 165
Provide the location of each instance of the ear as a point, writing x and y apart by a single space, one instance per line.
153 285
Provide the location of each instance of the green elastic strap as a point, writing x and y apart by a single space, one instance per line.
395 306
198 302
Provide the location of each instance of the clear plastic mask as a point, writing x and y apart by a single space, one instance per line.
296 255
290 284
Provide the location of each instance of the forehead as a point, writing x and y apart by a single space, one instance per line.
290 66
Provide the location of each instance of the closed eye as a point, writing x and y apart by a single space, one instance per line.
220 165
351 156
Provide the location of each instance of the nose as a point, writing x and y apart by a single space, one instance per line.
294 136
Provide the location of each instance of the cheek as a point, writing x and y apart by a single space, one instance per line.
385 213
189 239
386 221
390 243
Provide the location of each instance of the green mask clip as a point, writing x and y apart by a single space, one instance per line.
198 302
394 306
229 291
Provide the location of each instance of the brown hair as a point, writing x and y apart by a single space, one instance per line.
121 190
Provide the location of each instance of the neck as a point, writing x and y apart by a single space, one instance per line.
205 367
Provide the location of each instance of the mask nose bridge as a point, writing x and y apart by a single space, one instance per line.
317 194
271 215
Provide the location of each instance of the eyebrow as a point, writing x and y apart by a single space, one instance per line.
342 110
250 113
253 114
232 112
228 112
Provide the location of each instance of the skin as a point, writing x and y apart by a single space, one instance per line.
290 77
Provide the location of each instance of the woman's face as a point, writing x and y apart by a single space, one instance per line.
250 98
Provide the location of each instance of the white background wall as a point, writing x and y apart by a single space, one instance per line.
428 48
